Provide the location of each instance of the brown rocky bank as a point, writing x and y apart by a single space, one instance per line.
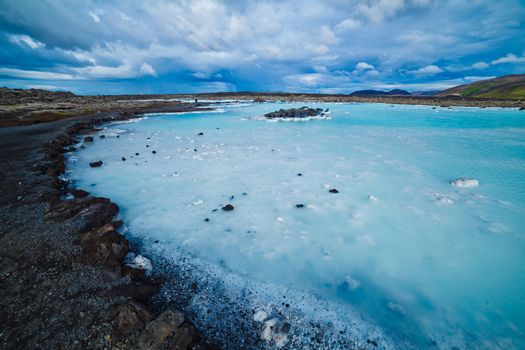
62 279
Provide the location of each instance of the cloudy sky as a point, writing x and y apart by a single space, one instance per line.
329 46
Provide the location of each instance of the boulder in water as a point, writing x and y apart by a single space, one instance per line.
297 113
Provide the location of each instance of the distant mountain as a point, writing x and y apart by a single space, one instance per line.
509 87
425 92
368 93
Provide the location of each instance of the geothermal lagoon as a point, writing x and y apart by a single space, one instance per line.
399 257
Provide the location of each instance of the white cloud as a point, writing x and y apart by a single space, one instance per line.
362 66
321 69
32 74
147 69
200 75
480 65
25 40
95 16
428 70
379 10
327 36
348 24
510 58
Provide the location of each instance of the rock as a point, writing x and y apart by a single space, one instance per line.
260 316
153 152
96 164
94 211
88 139
184 337
333 190
123 159
134 273
141 290
140 262
102 136
259 100
77 193
160 329
228 207
299 174
200 134
277 331
297 113
299 205
128 318
465 182
117 224
103 246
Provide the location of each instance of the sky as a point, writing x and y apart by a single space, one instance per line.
330 46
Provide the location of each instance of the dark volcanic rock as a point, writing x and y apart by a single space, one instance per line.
295 113
158 331
88 139
103 246
139 290
228 207
185 336
128 318
333 190
96 164
94 211
77 193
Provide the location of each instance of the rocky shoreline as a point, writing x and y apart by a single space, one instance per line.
63 279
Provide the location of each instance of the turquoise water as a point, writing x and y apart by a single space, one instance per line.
427 264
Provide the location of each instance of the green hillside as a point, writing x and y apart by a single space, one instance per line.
511 87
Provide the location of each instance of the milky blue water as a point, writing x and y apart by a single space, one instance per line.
426 264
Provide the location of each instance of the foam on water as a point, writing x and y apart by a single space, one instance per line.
399 256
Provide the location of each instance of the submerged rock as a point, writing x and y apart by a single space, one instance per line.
96 164
88 139
333 190
465 182
298 113
228 207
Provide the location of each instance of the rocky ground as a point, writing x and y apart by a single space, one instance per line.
63 284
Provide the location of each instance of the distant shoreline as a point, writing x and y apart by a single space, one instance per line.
27 107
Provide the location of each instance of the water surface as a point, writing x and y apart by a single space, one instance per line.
424 263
